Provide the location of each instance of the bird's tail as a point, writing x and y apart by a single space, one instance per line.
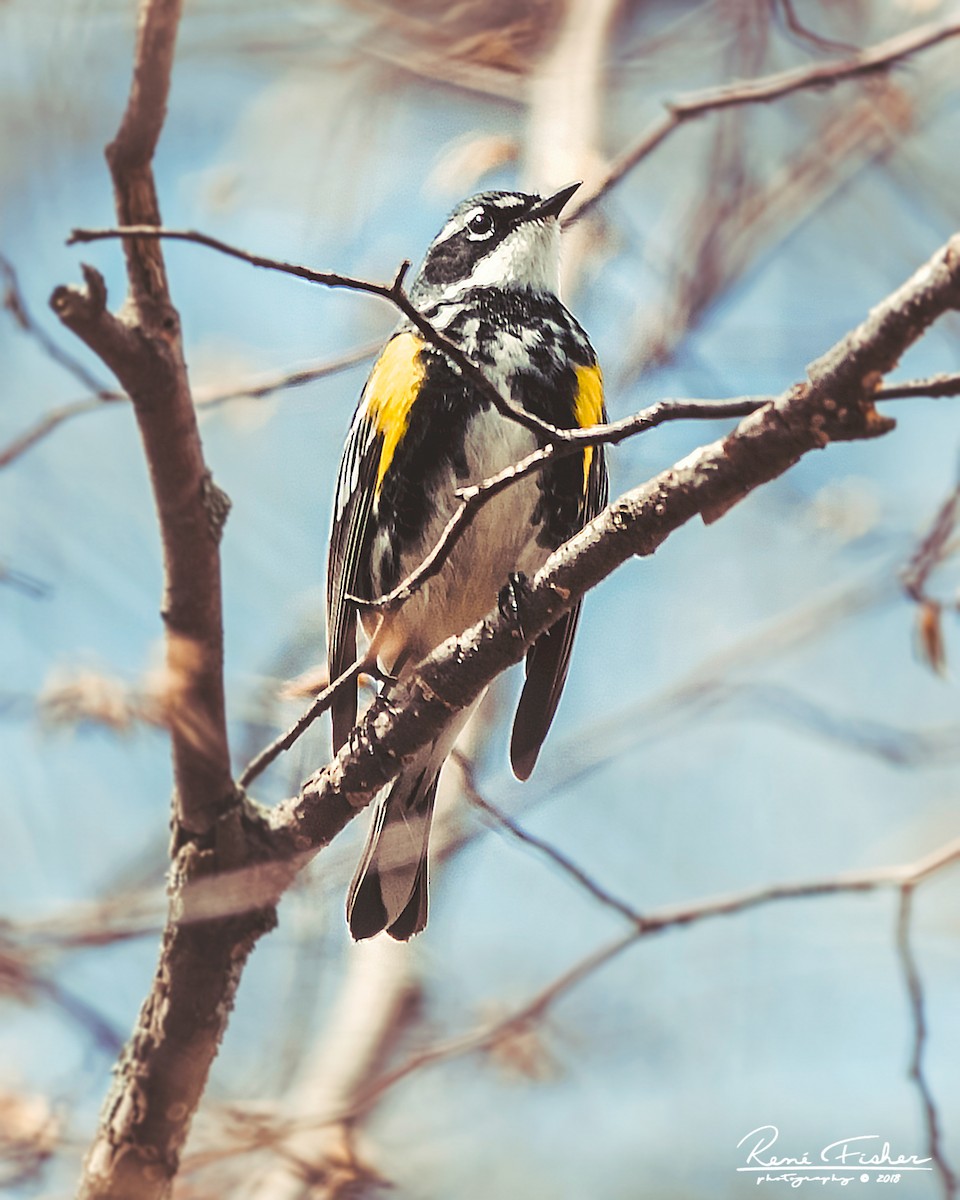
389 889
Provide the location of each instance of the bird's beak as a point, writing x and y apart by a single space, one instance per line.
552 205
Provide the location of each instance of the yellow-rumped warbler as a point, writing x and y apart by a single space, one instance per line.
489 282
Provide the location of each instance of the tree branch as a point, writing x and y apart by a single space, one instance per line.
142 346
319 705
15 303
948 1179
934 387
391 292
904 877
205 397
557 857
163 1070
760 91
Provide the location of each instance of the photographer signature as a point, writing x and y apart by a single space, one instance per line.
865 1151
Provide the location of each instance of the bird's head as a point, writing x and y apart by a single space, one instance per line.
496 239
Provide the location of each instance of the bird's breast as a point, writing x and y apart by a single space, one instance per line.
501 538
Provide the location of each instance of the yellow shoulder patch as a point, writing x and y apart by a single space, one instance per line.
392 388
588 408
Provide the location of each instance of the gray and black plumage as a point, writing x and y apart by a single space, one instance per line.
489 282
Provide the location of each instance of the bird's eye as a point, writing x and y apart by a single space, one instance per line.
480 225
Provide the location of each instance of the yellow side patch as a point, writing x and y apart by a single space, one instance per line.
393 386
588 408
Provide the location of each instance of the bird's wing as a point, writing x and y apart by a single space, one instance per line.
378 426
346 562
548 659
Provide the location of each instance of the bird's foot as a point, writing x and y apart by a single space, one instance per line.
512 597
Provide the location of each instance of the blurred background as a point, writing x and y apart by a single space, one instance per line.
760 703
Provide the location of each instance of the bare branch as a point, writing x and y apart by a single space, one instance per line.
318 706
143 348
931 552
473 498
22 978
933 548
934 387
948 1179
760 91
163 1070
29 585
255 389
796 27
16 305
134 233
392 292
258 389
489 1035
51 421
905 878
570 868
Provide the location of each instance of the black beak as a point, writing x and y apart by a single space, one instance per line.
552 205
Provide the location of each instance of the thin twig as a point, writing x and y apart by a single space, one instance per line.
392 292
759 91
934 387
52 420
489 1035
911 975
796 27
904 877
259 389
473 498
681 916
256 389
934 548
16 305
29 585
319 705
567 865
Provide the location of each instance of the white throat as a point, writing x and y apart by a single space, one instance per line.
529 256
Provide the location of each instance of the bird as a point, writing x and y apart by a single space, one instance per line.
489 282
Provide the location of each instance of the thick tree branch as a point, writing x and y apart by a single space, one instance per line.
163 1070
143 348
